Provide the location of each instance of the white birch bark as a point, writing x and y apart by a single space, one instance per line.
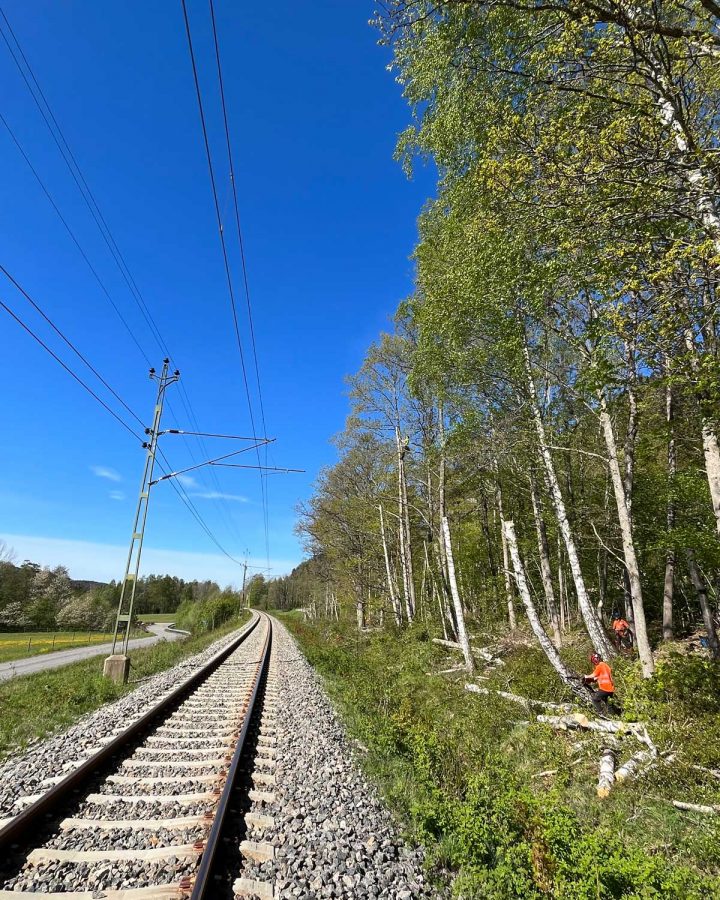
669 582
607 772
595 630
701 185
545 570
394 599
459 614
549 649
629 555
711 447
629 768
404 529
512 619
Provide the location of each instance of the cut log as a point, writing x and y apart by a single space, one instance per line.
478 651
696 807
447 671
607 772
523 701
606 726
630 767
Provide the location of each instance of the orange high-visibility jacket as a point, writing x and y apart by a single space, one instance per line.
620 625
603 673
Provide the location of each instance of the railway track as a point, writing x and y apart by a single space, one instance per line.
147 816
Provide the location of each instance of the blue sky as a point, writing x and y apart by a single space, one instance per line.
329 222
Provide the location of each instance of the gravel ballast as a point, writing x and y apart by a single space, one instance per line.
23 775
332 835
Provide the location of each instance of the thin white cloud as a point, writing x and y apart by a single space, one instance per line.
106 472
218 495
187 481
103 562
117 495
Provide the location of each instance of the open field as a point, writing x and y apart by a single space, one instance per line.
33 706
21 644
165 618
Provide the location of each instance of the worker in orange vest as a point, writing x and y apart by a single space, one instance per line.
602 678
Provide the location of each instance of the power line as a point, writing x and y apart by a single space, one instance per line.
241 244
178 489
183 495
69 343
69 230
81 182
263 486
73 167
218 216
69 370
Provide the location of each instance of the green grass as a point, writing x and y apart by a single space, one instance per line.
166 618
458 769
33 706
21 644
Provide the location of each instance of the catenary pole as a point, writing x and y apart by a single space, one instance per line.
117 664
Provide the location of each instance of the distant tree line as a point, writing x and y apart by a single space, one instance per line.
39 598
292 591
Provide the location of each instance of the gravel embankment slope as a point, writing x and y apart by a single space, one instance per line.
333 837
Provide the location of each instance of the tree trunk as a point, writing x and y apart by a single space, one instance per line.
568 677
405 548
438 550
711 451
702 596
506 562
595 630
545 570
360 611
459 615
435 592
631 563
562 589
669 585
394 599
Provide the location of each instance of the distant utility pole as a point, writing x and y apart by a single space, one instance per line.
117 665
245 568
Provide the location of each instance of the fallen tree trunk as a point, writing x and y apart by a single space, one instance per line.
479 651
607 772
607 726
523 701
696 807
630 767
447 671
549 649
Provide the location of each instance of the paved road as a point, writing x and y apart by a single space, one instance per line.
60 658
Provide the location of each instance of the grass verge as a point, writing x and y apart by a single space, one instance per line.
21 644
165 618
33 706
463 772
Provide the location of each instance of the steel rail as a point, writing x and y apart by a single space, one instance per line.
45 807
202 881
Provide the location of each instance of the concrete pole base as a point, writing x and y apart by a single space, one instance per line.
117 667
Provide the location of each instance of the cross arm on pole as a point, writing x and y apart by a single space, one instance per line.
212 462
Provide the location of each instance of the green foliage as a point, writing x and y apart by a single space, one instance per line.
199 616
457 770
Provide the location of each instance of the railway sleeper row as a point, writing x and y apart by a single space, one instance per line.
148 829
